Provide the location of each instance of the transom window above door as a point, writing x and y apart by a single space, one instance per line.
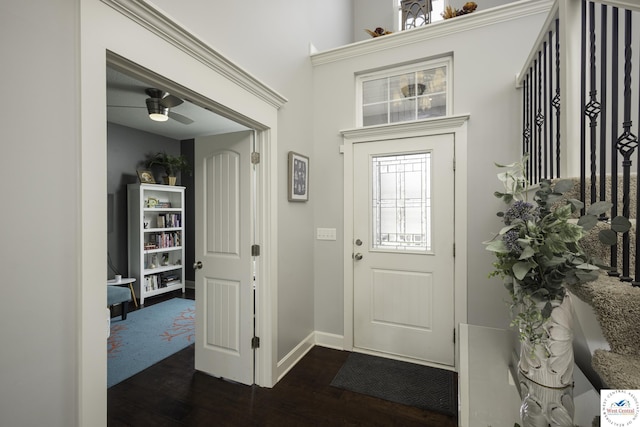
402 94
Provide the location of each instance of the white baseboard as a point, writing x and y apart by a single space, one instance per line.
314 338
294 356
334 341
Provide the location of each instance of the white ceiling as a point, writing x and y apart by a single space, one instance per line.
126 106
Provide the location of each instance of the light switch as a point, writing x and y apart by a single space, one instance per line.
326 234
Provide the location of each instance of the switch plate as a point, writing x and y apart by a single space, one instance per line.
326 234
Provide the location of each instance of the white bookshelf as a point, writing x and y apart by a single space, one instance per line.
156 238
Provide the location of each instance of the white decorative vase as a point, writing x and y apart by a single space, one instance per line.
546 371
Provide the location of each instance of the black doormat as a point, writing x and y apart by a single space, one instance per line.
401 382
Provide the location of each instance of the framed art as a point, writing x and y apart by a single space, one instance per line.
298 177
146 177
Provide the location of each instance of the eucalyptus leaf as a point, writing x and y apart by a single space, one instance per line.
527 252
546 311
599 208
587 222
563 186
620 224
520 269
608 237
497 246
577 204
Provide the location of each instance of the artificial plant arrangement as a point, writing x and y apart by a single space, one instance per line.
538 249
451 12
170 163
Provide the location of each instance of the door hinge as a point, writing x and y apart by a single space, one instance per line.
255 250
454 250
255 343
454 335
255 158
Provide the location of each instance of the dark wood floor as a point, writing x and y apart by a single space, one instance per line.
172 393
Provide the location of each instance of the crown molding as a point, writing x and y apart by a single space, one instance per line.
437 29
160 24
414 128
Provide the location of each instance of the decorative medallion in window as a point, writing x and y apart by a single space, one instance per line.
405 94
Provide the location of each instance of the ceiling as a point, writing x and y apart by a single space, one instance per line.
126 106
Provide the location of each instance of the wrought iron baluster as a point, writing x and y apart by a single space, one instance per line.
539 118
627 142
592 109
583 89
556 98
550 103
603 103
613 271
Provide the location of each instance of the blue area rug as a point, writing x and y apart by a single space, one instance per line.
148 336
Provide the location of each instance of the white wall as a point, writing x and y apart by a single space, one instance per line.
39 226
485 61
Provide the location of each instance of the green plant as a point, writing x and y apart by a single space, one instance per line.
538 249
171 164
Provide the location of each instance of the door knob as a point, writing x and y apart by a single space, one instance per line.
357 256
197 265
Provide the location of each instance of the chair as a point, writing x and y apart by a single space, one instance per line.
118 295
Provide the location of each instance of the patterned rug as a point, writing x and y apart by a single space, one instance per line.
401 382
148 336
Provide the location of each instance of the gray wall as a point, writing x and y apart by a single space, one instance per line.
39 227
485 61
127 148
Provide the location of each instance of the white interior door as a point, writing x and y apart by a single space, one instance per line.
224 235
403 248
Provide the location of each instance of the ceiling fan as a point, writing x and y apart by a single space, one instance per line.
159 104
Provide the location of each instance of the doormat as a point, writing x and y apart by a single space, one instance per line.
407 383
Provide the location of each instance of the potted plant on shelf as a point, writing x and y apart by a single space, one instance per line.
537 252
171 165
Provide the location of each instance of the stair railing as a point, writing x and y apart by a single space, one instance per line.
584 127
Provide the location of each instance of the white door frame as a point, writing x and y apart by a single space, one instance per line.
456 125
264 359
168 49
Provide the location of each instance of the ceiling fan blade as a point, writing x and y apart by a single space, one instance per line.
180 118
171 101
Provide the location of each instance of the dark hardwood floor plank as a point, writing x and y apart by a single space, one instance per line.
172 393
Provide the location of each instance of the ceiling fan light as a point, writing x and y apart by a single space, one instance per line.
157 111
159 117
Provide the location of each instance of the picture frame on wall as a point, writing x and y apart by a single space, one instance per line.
298 177
145 177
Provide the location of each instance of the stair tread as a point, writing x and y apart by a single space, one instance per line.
618 371
617 308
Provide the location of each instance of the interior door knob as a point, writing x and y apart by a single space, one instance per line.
357 256
197 265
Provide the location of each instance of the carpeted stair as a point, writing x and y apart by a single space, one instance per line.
617 308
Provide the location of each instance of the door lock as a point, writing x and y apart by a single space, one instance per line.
358 242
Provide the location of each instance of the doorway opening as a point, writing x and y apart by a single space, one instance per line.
127 115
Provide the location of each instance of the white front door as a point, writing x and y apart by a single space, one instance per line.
224 235
403 248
